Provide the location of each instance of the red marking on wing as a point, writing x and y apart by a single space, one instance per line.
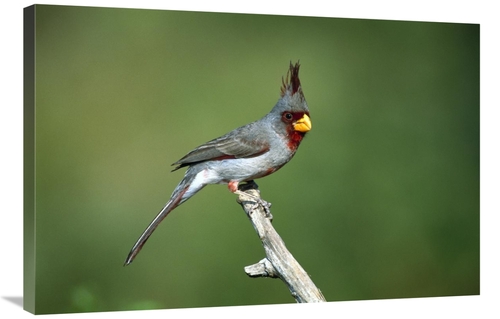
223 157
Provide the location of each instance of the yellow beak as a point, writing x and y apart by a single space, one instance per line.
303 124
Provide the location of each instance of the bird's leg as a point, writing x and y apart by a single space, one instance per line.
249 185
233 187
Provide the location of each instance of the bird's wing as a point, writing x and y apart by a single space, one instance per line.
241 143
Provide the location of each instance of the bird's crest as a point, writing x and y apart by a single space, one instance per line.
291 83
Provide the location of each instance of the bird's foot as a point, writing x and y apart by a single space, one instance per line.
258 201
266 206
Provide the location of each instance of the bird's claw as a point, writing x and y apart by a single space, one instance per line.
266 206
258 201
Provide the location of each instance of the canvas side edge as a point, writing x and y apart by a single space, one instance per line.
29 159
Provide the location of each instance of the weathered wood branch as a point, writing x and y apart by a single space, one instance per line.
279 262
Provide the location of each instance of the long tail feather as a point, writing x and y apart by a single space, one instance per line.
182 192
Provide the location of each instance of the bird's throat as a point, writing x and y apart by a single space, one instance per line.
294 139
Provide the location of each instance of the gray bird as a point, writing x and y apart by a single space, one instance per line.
249 152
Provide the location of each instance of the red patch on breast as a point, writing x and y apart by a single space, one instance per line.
294 139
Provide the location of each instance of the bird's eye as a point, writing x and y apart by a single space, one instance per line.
288 116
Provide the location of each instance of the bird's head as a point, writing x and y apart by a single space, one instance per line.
291 113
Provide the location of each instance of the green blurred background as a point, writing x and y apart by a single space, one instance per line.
381 200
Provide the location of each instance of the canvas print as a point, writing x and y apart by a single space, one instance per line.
362 134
